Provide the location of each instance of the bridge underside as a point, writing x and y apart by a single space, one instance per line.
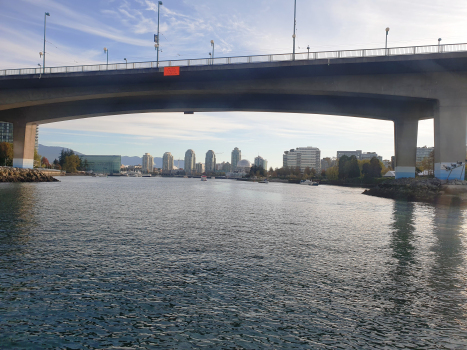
403 90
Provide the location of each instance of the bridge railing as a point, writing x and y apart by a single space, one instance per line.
320 55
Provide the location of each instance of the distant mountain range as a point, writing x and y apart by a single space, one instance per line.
53 152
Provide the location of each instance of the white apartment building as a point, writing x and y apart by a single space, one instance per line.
190 161
261 162
167 161
424 152
148 163
303 157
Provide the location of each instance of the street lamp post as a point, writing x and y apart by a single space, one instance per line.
212 44
210 55
294 25
386 46
43 53
308 48
106 50
126 63
439 45
159 3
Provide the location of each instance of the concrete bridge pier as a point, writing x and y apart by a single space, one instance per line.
405 144
24 139
450 140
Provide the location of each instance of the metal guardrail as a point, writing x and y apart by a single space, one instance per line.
394 51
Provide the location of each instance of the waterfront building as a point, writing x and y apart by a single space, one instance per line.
199 168
236 156
103 164
223 167
359 155
327 163
6 132
190 162
148 163
244 166
167 162
210 163
36 144
261 162
370 155
424 152
302 157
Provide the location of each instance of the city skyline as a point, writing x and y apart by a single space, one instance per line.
78 32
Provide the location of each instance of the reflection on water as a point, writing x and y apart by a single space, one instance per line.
86 263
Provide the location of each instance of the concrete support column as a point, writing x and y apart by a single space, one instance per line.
450 140
405 144
24 139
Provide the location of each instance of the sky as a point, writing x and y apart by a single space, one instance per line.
77 32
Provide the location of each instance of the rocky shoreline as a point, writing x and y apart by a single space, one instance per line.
8 174
422 190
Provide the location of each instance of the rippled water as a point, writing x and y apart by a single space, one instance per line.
178 263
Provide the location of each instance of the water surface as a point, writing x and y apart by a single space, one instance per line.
180 263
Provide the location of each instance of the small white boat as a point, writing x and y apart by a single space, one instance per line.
204 178
265 181
146 175
309 183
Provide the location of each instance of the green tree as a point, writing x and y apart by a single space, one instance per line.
6 154
257 171
63 154
332 173
343 170
72 163
353 168
37 159
375 167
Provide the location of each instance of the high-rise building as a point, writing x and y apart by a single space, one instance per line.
37 138
424 152
210 163
302 157
261 162
190 161
6 132
236 157
167 161
199 168
148 163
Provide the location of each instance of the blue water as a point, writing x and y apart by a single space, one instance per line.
179 263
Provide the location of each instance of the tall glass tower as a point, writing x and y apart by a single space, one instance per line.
236 157
190 161
210 163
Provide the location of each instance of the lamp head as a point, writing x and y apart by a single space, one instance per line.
105 49
47 14
160 2
439 39
212 42
387 29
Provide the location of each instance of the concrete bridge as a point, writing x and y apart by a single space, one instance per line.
404 88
